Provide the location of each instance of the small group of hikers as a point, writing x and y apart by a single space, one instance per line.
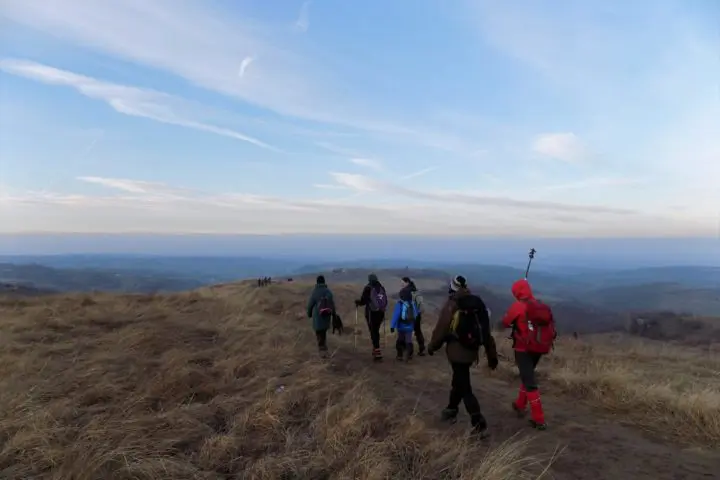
463 327
264 281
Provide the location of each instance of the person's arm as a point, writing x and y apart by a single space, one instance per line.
439 334
488 340
515 310
397 312
311 303
364 297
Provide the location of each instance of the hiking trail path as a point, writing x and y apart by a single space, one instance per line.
595 445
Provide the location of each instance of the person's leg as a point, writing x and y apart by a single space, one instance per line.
374 323
321 337
419 335
537 414
399 345
456 393
409 347
529 392
462 376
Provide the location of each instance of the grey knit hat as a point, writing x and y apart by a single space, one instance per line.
457 283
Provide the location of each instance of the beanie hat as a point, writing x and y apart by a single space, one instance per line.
457 283
320 280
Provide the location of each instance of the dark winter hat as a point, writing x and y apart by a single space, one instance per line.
372 278
457 283
320 280
406 280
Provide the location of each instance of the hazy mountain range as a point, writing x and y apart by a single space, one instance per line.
687 289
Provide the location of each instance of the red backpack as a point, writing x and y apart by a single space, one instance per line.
540 334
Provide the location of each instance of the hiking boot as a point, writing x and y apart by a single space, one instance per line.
479 432
479 427
421 351
408 352
377 354
323 352
449 415
538 426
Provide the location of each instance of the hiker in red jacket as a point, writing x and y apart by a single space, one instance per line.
527 350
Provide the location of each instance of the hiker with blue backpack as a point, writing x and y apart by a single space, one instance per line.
374 299
403 320
321 308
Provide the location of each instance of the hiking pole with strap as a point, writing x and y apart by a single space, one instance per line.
531 255
355 330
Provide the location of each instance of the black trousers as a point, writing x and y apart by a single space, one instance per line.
418 332
462 391
374 322
321 336
526 363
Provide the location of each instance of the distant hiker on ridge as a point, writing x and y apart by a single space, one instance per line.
375 300
533 333
465 327
419 307
321 308
403 320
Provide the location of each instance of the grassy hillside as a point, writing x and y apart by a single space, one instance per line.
225 382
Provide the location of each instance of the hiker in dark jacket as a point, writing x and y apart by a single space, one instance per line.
461 358
321 308
418 300
374 314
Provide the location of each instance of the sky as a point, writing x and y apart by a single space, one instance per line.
415 117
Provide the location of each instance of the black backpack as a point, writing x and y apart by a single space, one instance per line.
325 307
466 326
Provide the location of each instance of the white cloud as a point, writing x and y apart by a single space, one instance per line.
368 163
244 65
136 102
303 21
139 208
560 146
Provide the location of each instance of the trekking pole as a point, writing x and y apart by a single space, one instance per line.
531 255
355 332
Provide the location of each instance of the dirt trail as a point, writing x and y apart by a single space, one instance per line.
596 446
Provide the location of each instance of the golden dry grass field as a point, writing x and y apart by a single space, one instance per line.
225 382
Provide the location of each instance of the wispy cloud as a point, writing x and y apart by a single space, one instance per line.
419 173
595 182
362 183
303 21
244 65
560 146
135 186
368 163
141 206
136 102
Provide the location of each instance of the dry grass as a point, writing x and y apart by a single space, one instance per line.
204 386
671 390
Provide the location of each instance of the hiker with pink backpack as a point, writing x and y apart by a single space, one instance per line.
321 308
374 299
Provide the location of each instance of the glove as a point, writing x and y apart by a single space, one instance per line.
492 363
392 330
357 303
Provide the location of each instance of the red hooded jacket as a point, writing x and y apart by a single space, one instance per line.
522 292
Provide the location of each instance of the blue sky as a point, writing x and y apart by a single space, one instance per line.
554 118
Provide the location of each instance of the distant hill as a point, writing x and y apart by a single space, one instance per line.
39 279
672 297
